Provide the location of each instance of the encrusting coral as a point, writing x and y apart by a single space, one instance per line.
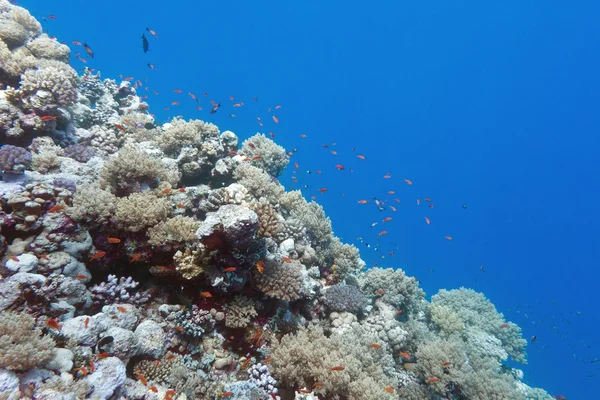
160 261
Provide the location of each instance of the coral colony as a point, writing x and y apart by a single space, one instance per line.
141 261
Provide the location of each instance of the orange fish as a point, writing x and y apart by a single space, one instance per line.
389 389
408 182
505 325
418 202
317 385
375 345
103 355
83 370
303 135
206 295
323 190
175 103
432 380
448 237
86 322
430 205
387 176
81 276
267 360
121 309
260 266
393 208
257 157
135 257
382 233
397 200
176 90
387 219
97 255
380 292
226 394
230 269
337 368
398 313
446 364
48 118
361 156
237 105
113 240
363 201
277 107
179 205
404 354
120 127
56 208
231 97
53 324
275 119
286 259
391 192
427 220
427 199
153 388
340 167
142 378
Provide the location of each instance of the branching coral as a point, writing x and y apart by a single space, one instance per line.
399 290
240 312
258 183
179 134
266 154
93 206
178 229
51 84
22 346
191 263
139 211
308 356
269 223
283 281
133 170
345 298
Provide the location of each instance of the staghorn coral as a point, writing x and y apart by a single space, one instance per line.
265 154
140 211
178 229
268 220
240 312
133 170
22 346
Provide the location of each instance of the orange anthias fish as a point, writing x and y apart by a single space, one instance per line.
404 354
323 190
432 380
113 240
361 156
375 345
275 119
448 237
408 182
389 389
97 255
150 31
55 209
427 220
393 208
387 219
286 259
206 295
53 324
363 201
337 368
340 167
48 118
230 269
176 90
382 233
260 266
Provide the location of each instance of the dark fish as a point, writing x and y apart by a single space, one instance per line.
88 50
215 108
464 206
144 43
151 67
533 339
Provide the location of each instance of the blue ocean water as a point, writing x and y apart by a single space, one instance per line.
490 110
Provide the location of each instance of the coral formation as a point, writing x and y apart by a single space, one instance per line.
141 260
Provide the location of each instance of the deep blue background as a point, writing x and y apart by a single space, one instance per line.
490 105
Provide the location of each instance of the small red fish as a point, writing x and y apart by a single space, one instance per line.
387 219
48 118
382 233
363 201
113 240
449 238
408 182
230 269
389 389
53 324
340 167
427 220
120 127
55 209
275 119
206 295
286 259
432 380
375 345
122 309
505 325
97 255
337 368
361 156
323 190
81 277
176 90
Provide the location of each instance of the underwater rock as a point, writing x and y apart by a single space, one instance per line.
109 375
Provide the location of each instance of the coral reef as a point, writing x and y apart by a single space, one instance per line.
158 261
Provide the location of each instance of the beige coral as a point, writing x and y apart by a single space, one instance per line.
176 229
284 281
191 263
240 312
268 220
139 211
